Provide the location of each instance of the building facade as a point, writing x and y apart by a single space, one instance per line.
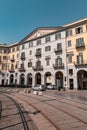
53 55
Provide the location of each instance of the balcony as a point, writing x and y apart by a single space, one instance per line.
22 69
12 59
82 46
22 57
80 64
11 70
60 66
38 54
38 68
58 51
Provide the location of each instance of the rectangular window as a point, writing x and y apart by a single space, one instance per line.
23 55
13 49
48 48
17 55
4 66
30 44
57 36
69 33
30 52
69 58
79 30
59 46
5 57
23 46
80 58
39 42
79 41
58 61
70 71
47 39
17 48
29 64
69 43
0 50
47 62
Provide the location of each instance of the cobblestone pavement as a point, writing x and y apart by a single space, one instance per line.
50 109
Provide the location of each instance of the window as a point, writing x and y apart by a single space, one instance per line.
12 67
16 66
70 58
48 48
39 42
22 66
69 33
23 54
4 66
30 44
30 52
86 27
23 46
47 39
13 49
5 51
0 50
5 57
57 36
47 62
38 63
58 61
17 48
69 43
59 46
30 64
79 30
17 55
79 41
70 71
80 58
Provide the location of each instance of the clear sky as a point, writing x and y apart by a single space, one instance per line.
18 18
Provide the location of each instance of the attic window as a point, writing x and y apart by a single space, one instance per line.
39 42
30 44
47 39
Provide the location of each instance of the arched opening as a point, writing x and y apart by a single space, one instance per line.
59 79
11 79
82 79
22 79
38 78
29 80
48 78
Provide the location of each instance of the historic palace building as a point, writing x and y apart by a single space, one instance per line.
48 55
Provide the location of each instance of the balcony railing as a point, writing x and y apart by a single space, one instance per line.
12 59
38 54
22 57
80 64
38 68
22 69
82 46
58 51
60 66
11 70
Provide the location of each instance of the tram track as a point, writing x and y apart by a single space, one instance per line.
20 112
60 109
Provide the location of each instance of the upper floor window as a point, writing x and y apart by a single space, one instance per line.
70 71
30 52
69 43
57 36
69 58
23 46
5 57
80 58
39 42
79 30
79 41
30 44
4 66
17 55
13 49
69 33
30 64
59 46
47 62
86 27
47 39
0 50
38 63
58 61
5 51
48 48
23 54
17 48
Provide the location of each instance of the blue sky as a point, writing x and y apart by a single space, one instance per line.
20 17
